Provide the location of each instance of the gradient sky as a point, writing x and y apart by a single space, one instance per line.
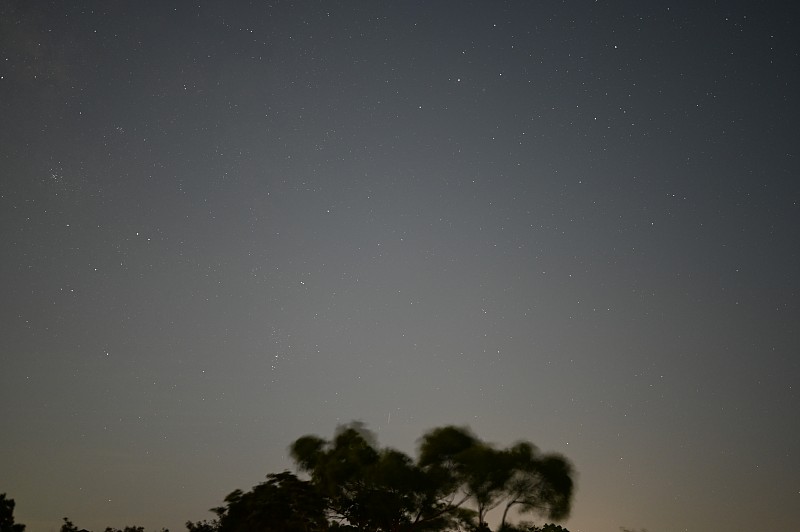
226 225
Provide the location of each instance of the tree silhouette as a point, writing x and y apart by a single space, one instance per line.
528 527
354 485
371 489
456 480
202 526
538 483
7 515
68 526
518 476
283 503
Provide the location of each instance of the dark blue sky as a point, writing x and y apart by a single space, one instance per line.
226 226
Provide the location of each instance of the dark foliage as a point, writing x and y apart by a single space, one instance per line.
454 483
7 523
283 503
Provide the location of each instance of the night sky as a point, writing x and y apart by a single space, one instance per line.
227 225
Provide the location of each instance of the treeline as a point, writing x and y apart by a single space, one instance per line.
68 526
353 485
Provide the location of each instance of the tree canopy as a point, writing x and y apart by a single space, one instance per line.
7 523
355 485
69 526
350 484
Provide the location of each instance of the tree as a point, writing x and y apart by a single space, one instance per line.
7 515
455 482
529 527
464 463
353 485
283 503
203 526
68 526
518 476
538 483
361 486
